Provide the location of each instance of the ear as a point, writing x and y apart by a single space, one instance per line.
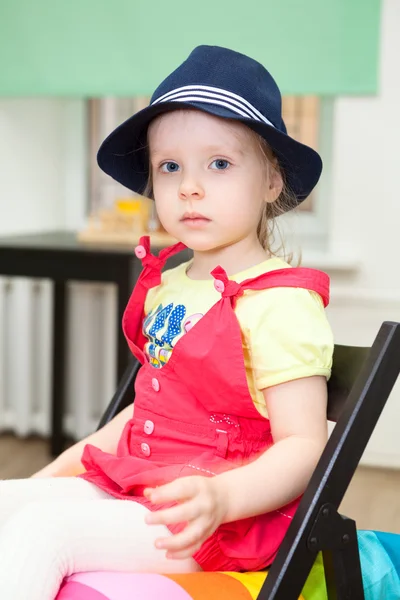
275 184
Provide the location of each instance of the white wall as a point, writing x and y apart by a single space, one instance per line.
366 165
42 164
365 219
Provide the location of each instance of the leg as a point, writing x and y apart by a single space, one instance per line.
44 542
15 494
58 386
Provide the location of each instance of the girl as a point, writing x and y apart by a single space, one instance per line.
230 408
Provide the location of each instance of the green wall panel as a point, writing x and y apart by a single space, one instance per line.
125 47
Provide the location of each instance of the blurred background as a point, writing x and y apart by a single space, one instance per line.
69 73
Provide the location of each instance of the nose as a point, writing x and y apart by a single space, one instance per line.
190 188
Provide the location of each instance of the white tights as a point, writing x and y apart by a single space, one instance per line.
51 528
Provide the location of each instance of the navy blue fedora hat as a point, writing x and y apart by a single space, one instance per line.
223 83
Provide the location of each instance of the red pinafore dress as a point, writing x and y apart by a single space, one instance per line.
195 415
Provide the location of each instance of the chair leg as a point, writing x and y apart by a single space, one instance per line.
343 573
336 537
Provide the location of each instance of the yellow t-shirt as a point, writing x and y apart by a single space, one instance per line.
285 332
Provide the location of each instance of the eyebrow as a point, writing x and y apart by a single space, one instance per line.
213 149
220 149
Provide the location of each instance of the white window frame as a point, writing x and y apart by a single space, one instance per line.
309 229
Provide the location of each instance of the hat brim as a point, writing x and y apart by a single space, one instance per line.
124 153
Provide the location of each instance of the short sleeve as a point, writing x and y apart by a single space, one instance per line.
288 336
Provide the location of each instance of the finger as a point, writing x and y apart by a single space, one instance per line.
177 514
176 491
187 553
192 534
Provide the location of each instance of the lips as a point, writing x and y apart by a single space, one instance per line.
193 217
195 220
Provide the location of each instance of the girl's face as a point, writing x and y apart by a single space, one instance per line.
210 179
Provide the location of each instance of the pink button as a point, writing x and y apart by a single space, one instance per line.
140 251
145 448
219 285
155 384
148 427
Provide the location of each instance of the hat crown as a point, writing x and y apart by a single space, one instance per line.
224 69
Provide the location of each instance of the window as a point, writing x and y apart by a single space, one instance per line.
103 116
301 116
309 120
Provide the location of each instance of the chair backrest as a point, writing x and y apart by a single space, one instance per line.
347 364
361 383
124 394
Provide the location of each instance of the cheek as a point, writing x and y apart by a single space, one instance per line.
248 215
163 191
240 202
164 211
247 182
158 186
245 216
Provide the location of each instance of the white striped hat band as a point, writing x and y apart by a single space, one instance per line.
213 95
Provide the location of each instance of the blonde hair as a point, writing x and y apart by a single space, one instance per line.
268 232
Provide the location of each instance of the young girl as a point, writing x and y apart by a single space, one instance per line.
229 418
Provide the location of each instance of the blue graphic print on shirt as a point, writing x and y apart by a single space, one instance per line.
163 327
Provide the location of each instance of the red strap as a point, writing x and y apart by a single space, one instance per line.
150 277
296 277
165 253
152 265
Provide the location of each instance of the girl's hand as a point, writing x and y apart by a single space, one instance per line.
202 506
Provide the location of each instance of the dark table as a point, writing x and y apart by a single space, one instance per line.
59 256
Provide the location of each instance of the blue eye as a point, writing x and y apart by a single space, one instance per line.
221 164
170 167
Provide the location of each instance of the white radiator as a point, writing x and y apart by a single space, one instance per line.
26 348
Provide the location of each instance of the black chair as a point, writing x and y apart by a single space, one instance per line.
361 382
